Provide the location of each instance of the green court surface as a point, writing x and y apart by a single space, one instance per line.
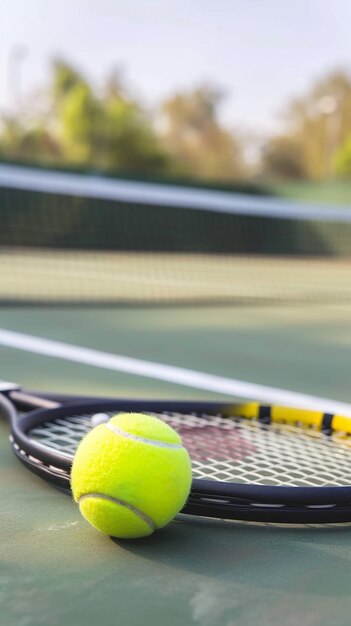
330 192
55 569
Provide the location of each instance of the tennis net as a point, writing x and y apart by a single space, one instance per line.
72 238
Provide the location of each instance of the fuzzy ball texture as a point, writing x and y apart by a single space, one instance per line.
131 475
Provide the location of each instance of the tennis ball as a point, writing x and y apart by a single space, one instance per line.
131 475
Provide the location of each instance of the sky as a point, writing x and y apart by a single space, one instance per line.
260 53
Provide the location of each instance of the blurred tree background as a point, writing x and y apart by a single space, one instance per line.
192 134
315 143
71 123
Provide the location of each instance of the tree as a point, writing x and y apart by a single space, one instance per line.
194 136
80 124
109 130
77 124
314 125
343 159
283 158
64 78
129 141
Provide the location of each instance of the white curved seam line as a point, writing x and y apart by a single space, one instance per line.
145 518
150 442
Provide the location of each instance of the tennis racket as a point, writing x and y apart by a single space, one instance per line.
249 462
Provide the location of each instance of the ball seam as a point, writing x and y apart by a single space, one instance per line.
142 516
151 442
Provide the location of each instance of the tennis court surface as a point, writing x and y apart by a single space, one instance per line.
112 288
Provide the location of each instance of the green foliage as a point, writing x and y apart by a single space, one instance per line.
314 126
110 131
129 140
107 129
11 134
83 127
75 123
20 143
197 140
283 159
80 118
343 160
64 79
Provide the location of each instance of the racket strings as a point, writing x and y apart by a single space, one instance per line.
234 449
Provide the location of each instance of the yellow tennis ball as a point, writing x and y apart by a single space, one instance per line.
131 475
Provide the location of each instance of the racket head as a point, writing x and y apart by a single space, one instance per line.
238 463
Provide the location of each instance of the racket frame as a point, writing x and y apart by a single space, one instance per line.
208 498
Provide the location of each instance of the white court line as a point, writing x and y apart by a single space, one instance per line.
169 373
